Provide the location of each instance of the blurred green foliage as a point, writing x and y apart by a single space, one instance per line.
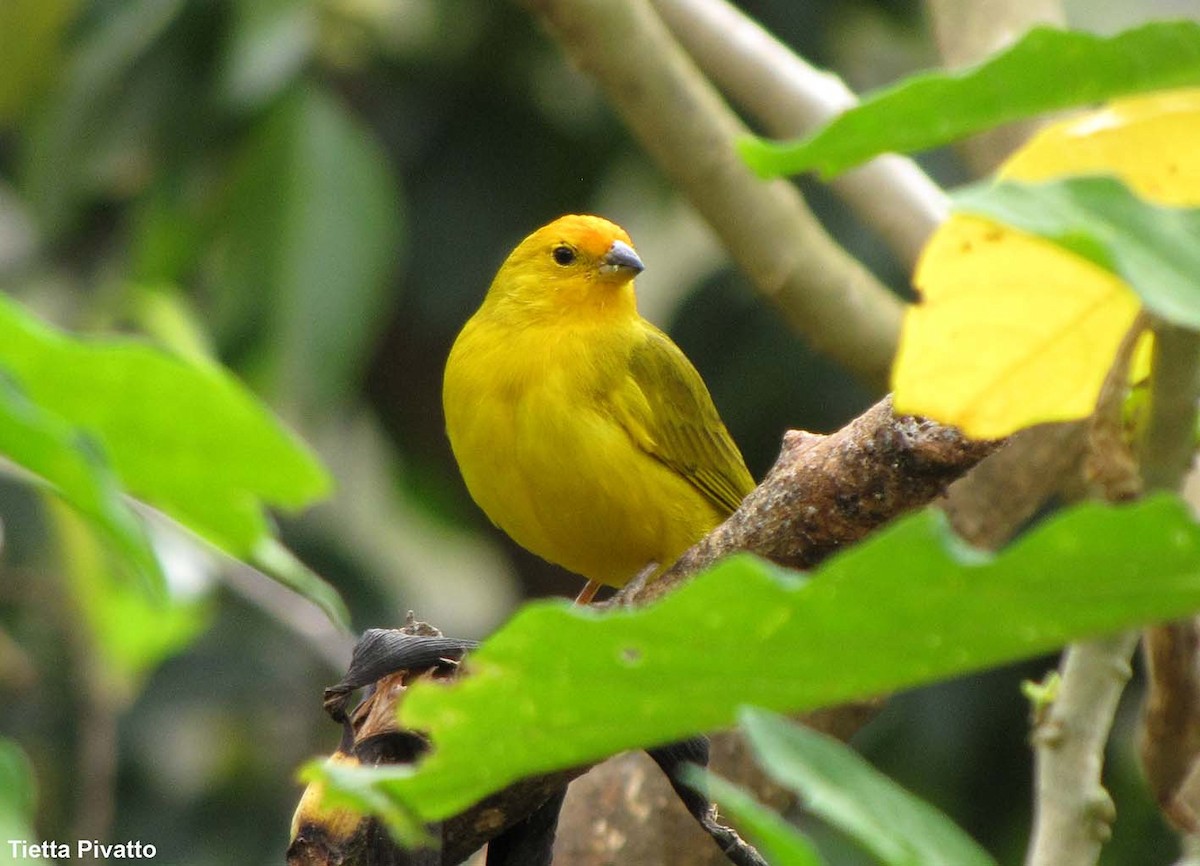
316 193
17 798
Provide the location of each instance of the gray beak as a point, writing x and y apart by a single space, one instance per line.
621 256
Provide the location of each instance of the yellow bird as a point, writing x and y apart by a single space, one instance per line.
580 429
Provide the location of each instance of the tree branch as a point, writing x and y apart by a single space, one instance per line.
1169 736
682 123
1169 733
789 97
968 33
1169 441
826 492
1073 811
990 504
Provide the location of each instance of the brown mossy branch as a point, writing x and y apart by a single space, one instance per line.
827 492
622 811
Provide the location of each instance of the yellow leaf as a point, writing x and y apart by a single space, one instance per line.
1148 142
1012 330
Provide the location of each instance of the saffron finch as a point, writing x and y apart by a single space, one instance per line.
580 429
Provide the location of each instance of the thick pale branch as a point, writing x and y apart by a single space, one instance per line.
968 33
789 98
682 122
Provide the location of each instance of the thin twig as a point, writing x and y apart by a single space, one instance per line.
1169 732
1072 810
1074 813
789 97
683 124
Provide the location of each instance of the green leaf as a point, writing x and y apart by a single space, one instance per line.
17 793
839 786
312 234
186 437
781 843
74 468
1155 249
559 686
344 787
274 559
131 633
1046 70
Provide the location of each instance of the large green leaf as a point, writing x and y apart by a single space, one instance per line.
74 468
560 686
312 235
1046 70
186 437
1154 249
836 784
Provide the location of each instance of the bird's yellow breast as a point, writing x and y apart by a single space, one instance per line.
534 418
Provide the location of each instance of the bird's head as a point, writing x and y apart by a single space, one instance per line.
574 265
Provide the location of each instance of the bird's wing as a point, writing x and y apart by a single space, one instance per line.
669 414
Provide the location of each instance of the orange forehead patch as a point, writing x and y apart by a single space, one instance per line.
590 234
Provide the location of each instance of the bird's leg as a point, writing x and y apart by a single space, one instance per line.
635 585
588 593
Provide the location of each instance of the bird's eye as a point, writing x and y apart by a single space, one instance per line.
563 255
